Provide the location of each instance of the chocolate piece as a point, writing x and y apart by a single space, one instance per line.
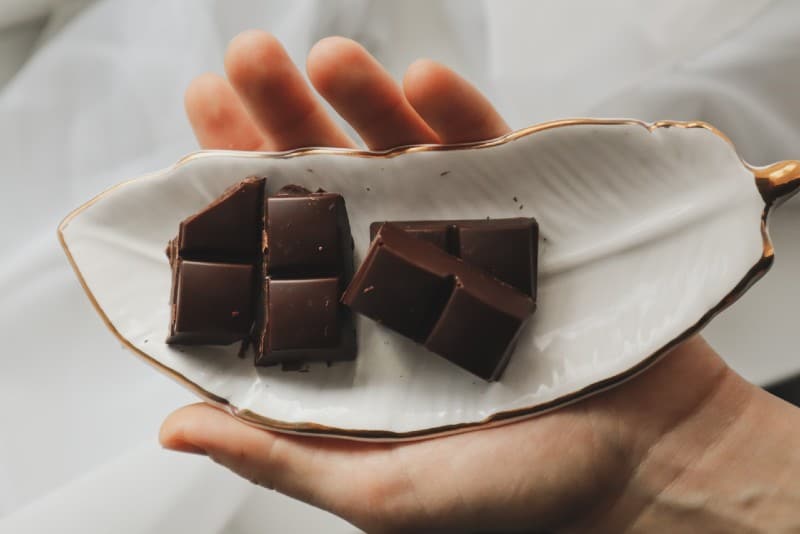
306 234
214 259
228 228
453 308
308 261
505 248
213 303
267 270
478 328
395 290
306 322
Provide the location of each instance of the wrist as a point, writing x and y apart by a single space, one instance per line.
717 456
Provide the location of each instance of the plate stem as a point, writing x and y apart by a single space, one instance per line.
778 182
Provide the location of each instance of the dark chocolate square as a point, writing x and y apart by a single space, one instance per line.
303 313
475 334
507 252
399 293
303 235
305 322
228 229
213 303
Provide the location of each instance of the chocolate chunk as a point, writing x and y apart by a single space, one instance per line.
505 248
392 288
228 228
266 270
306 234
213 303
477 329
456 310
214 259
306 322
309 257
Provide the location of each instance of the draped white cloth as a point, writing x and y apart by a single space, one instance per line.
100 100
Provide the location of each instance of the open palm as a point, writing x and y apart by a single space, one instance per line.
569 469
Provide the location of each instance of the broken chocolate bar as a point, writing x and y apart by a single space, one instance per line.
505 248
308 261
266 269
214 261
453 308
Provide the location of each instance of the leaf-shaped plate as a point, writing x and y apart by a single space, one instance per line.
647 231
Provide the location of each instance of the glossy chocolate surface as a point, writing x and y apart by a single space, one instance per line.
266 269
229 228
214 260
213 302
453 308
308 261
505 248
306 321
305 234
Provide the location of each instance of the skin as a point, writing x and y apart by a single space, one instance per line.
687 446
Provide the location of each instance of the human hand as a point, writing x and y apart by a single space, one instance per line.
601 464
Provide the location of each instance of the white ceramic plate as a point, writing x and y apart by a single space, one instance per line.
647 231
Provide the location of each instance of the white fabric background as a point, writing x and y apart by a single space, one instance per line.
99 100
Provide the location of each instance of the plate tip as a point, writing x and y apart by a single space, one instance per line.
778 182
62 226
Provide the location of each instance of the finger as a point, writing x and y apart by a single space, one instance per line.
308 469
365 95
259 456
276 95
217 116
453 107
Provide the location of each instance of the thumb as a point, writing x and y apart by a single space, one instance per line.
317 471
